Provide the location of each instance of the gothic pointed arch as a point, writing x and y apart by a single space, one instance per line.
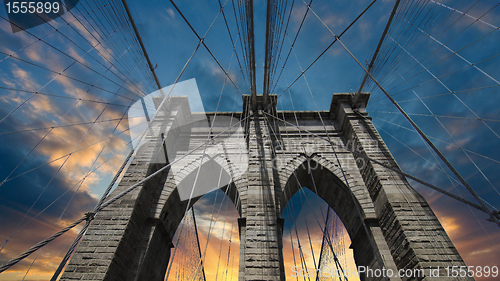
353 208
170 211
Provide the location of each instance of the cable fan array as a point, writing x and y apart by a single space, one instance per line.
68 85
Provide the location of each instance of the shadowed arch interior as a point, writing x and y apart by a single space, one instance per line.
336 194
306 218
215 230
173 210
156 259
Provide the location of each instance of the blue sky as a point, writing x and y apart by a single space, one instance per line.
86 71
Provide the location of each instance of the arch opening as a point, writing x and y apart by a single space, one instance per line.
174 212
310 223
206 242
323 187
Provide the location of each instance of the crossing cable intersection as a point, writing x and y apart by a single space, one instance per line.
327 48
91 215
99 207
484 208
202 40
493 214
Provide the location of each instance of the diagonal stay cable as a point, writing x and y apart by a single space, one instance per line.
454 181
455 141
7 56
438 95
78 150
293 44
329 46
62 75
431 80
384 33
435 115
71 98
79 184
358 209
57 172
455 53
441 60
202 40
79 47
386 166
484 208
412 38
125 23
76 241
127 191
57 76
42 87
67 55
59 121
48 34
447 88
89 172
71 125
465 14
90 216
233 44
395 59
9 264
436 139
69 189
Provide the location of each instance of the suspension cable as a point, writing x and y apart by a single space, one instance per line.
408 118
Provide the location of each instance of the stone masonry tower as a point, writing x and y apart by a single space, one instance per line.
262 157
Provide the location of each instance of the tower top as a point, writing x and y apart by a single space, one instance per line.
348 98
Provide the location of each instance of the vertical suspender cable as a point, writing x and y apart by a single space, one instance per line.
323 241
268 52
198 242
251 50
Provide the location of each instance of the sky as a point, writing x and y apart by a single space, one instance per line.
66 87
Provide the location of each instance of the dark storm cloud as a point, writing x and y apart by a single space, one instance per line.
18 194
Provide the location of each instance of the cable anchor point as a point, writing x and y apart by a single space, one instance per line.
494 213
89 216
